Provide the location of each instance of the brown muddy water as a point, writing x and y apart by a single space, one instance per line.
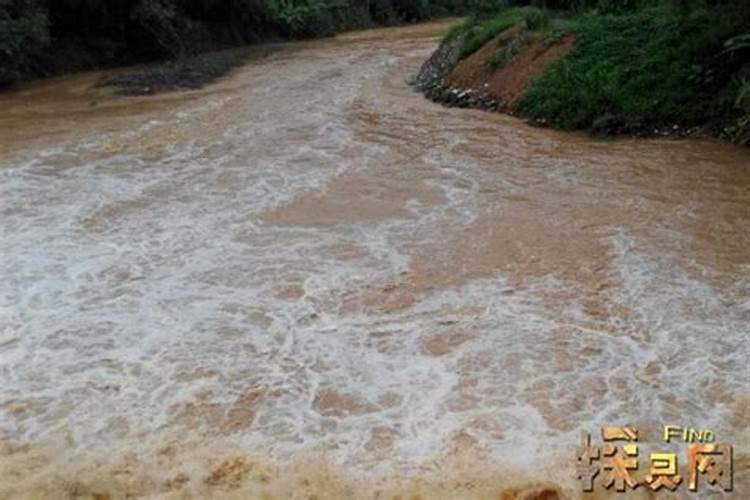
307 281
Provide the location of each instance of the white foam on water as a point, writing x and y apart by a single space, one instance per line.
141 288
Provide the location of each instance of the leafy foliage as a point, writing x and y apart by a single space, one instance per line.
104 32
536 19
736 43
23 33
159 19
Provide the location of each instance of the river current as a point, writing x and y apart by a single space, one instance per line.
307 281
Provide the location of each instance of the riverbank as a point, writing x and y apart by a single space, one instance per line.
650 72
42 38
188 73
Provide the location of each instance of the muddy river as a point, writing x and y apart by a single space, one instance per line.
307 281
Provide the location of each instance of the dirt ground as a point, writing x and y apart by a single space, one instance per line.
527 58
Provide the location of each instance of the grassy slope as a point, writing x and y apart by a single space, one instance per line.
634 72
483 31
648 69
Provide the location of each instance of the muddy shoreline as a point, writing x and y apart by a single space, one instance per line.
189 73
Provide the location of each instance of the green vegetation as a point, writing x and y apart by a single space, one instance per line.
479 32
740 131
642 70
536 19
637 66
40 37
23 32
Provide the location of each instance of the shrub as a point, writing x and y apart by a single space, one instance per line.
536 19
634 71
481 32
160 22
301 17
23 33
413 10
104 32
739 131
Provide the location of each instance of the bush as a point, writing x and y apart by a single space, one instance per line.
105 32
23 33
413 10
739 131
637 71
479 33
159 20
301 18
536 19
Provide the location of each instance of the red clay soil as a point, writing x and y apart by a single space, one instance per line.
508 83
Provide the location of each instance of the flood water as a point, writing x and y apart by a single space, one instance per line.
307 281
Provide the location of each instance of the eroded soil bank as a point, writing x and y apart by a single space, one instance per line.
475 82
544 75
308 281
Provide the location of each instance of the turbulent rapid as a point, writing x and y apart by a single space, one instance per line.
307 281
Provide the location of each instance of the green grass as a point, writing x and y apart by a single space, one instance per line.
637 71
637 66
457 30
536 19
549 25
478 32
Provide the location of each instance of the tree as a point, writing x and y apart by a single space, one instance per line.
24 31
